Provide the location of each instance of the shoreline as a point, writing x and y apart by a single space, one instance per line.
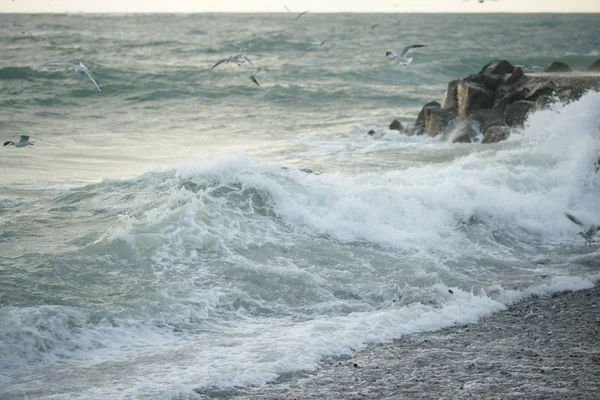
544 347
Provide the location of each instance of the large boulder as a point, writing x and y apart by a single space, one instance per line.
489 81
396 126
486 118
450 97
497 67
420 123
515 76
595 66
541 88
557 66
472 97
516 113
495 133
436 120
464 131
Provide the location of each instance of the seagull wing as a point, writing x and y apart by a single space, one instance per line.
244 58
221 61
375 26
89 74
62 64
288 10
575 220
301 14
409 48
24 139
253 79
323 42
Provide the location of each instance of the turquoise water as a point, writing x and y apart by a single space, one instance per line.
159 237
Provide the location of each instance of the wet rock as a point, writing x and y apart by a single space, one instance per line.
464 131
487 117
436 120
497 67
489 81
543 88
557 66
450 97
595 66
516 113
544 102
516 75
495 133
472 96
396 126
371 132
420 124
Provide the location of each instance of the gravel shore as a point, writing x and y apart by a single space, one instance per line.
541 348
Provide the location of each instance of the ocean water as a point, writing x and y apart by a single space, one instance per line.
159 239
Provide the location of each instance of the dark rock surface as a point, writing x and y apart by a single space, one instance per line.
595 66
543 348
557 66
396 126
500 94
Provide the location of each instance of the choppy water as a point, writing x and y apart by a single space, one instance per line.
152 244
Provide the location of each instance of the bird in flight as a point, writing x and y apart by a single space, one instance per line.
297 17
78 68
401 58
319 45
588 232
255 74
238 59
372 28
23 142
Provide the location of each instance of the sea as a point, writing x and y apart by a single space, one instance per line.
187 230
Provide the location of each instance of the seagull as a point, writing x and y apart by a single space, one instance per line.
299 15
320 45
23 142
256 73
238 59
401 58
372 28
78 68
588 233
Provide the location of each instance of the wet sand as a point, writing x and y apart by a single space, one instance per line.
541 348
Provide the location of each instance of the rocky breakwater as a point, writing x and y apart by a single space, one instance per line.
489 105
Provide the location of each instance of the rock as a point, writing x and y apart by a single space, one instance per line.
396 126
371 132
472 97
495 133
436 120
497 67
572 94
516 75
557 66
420 123
516 113
544 102
595 66
541 88
450 97
464 131
487 117
490 81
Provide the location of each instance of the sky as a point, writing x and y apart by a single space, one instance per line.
124 6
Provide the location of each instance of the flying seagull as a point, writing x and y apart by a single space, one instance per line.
372 28
238 59
401 58
299 15
78 68
320 45
23 142
588 232
253 76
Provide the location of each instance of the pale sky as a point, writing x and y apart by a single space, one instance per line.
120 6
